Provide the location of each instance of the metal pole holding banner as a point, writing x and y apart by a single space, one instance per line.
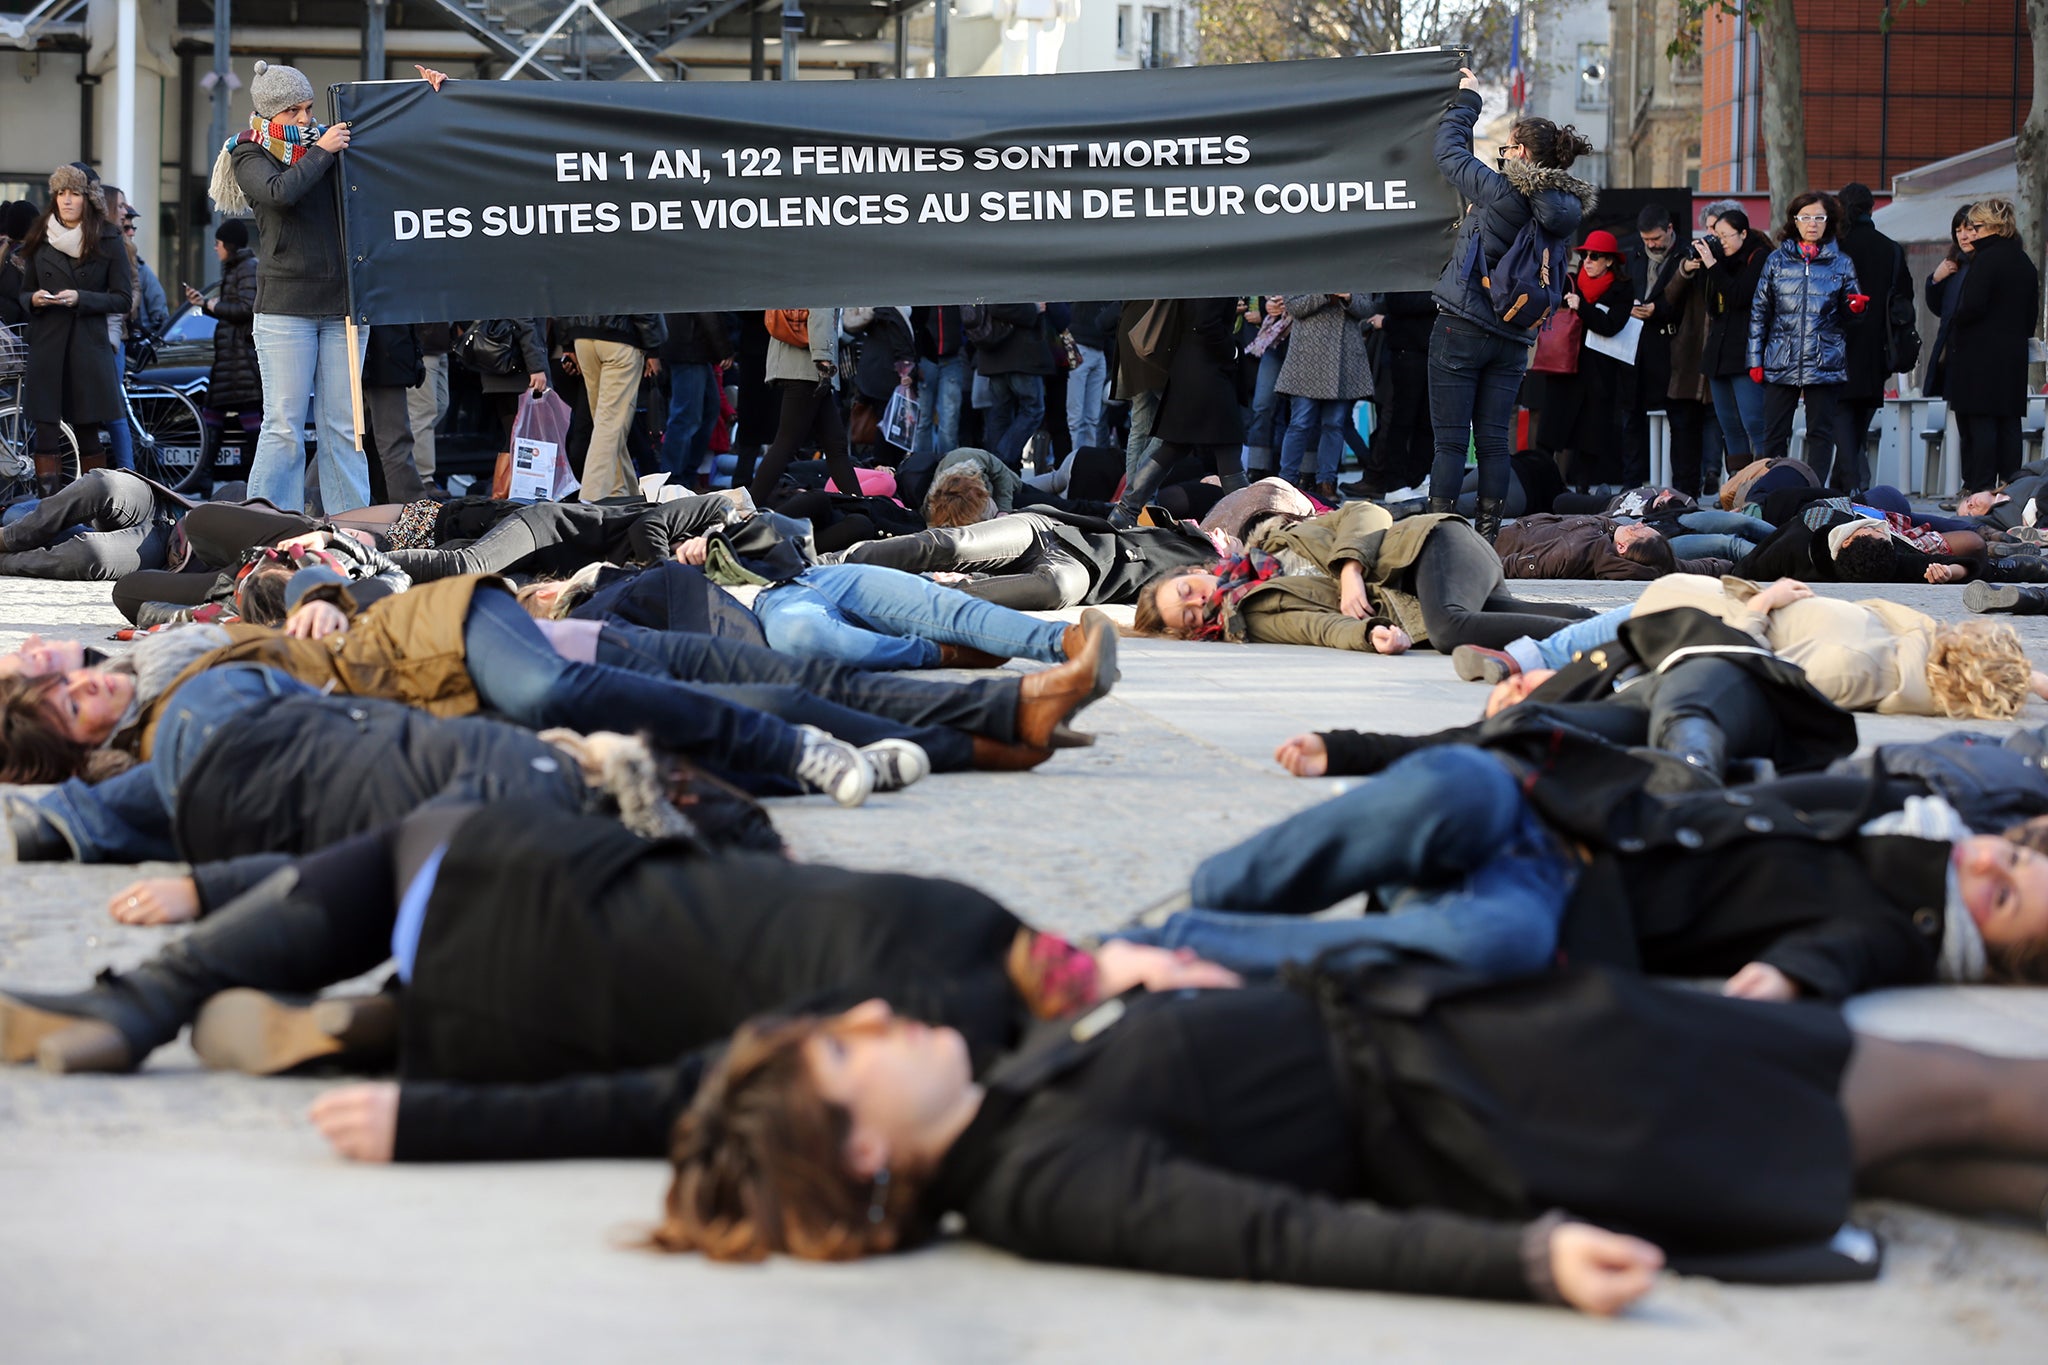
757 45
942 13
792 29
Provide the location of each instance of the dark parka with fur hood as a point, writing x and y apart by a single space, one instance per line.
1501 203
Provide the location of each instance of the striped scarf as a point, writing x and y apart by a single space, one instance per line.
287 142
1235 577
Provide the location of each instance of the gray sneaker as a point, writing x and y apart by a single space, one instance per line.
834 767
896 763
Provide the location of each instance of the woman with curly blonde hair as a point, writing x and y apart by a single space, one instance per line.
1977 669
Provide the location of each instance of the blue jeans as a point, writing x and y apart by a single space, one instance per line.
1269 411
1322 419
517 672
128 818
1739 404
1016 410
1556 649
1700 545
1084 397
692 412
1443 837
868 616
1474 377
120 440
939 384
304 359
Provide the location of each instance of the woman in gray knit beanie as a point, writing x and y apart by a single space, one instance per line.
282 167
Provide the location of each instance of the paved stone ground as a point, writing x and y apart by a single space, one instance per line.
180 1215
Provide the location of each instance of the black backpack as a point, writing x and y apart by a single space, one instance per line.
981 328
1527 283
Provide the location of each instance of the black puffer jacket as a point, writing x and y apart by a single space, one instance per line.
302 774
235 381
1799 320
1502 202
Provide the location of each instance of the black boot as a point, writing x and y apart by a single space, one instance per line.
1697 741
281 935
32 837
1138 491
1490 510
2017 569
1439 505
151 614
2019 600
1407 507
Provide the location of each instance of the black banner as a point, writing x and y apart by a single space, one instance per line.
530 198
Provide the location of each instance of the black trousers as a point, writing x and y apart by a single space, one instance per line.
1464 595
1780 402
1715 689
1689 421
1405 444
810 415
1032 570
1991 449
1852 429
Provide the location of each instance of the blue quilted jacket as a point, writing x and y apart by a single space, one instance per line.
1799 317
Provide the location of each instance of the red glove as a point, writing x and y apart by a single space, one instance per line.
1756 374
1858 302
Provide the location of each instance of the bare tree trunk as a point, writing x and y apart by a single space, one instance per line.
2031 154
1784 112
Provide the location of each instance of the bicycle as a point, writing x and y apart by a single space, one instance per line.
17 432
170 434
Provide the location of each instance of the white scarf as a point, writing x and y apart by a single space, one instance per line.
1962 942
69 240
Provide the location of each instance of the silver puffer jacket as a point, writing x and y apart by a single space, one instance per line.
1799 318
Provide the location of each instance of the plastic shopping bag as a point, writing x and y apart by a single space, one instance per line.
899 422
540 462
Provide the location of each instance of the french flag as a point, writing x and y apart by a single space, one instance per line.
1518 83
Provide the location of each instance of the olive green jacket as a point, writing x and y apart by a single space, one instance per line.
1302 607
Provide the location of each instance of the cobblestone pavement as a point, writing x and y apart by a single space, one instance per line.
180 1215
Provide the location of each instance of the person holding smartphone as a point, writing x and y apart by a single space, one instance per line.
234 386
76 275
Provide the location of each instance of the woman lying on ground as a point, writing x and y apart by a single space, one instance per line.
1351 579
675 946
854 615
1041 560
1401 1132
1821 886
451 648
904 726
1870 655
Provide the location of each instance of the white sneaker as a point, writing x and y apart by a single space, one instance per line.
834 767
897 763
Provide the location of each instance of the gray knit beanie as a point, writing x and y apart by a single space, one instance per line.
277 88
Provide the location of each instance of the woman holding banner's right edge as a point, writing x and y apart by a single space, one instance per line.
1476 359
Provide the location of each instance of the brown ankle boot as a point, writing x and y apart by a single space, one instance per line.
994 756
1048 697
260 1035
965 656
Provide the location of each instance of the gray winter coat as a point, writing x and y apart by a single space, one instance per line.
1325 349
1501 202
1799 319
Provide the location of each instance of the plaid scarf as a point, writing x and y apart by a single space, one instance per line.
1235 577
285 141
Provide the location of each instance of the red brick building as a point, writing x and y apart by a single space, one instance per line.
1948 77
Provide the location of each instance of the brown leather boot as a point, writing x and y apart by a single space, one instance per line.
965 656
1048 697
994 756
260 1035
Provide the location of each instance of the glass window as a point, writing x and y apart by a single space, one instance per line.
1123 30
1592 76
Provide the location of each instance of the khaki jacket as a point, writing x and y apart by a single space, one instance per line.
407 647
1862 656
